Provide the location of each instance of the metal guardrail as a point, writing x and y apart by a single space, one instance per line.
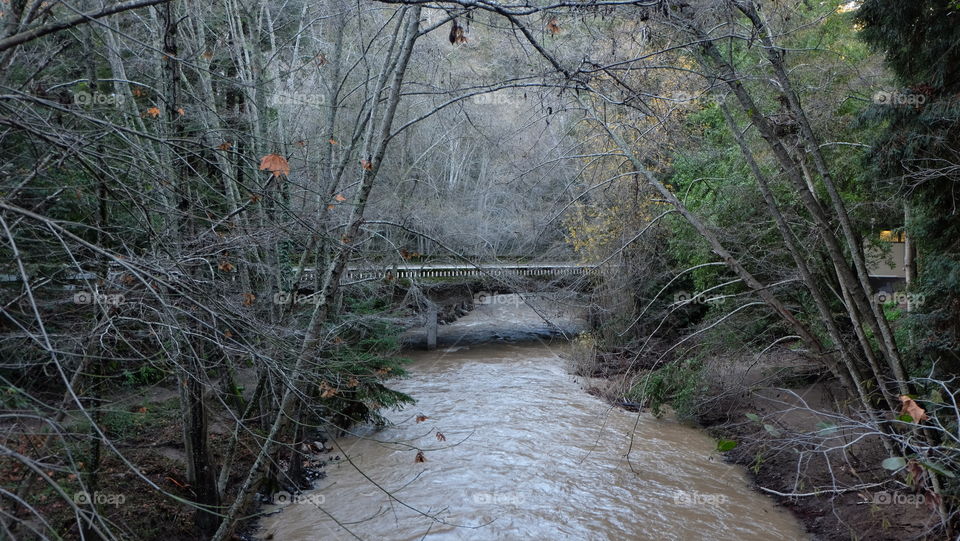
453 271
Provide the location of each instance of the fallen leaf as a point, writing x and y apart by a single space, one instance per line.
331 207
225 266
153 111
366 165
340 198
276 164
301 143
226 145
137 92
353 382
441 437
332 141
208 55
912 409
420 457
421 418
181 111
228 334
248 299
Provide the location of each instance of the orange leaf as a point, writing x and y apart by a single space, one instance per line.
441 437
326 391
208 55
226 145
225 266
301 143
353 382
181 111
276 164
153 111
421 418
137 92
254 198
331 207
420 457
553 27
332 141
248 299
228 334
366 165
912 409
340 198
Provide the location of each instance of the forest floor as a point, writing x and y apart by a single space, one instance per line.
787 406
145 425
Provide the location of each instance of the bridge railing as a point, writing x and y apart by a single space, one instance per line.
456 271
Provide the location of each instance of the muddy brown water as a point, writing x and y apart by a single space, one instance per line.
527 455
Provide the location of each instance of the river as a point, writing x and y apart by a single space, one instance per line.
524 453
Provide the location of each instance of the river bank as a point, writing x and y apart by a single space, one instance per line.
773 412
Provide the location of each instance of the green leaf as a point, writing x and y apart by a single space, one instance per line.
753 417
772 430
825 428
894 463
726 445
905 418
938 468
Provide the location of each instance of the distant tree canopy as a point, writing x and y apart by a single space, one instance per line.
917 155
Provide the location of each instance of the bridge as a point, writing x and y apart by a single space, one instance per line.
409 270
454 270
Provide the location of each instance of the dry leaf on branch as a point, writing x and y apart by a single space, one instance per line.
553 27
421 418
420 457
912 409
276 164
